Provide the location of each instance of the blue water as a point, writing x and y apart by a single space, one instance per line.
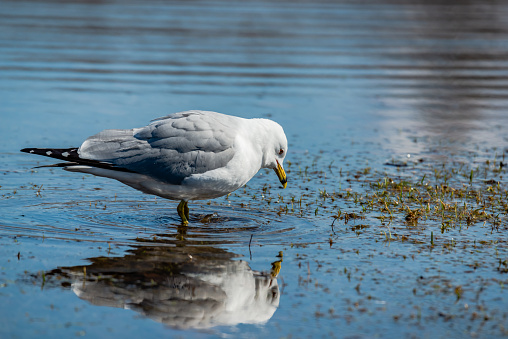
355 86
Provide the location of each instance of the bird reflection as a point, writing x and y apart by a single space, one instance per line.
182 287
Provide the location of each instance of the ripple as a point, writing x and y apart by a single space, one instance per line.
142 222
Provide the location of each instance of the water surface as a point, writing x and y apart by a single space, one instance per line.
416 84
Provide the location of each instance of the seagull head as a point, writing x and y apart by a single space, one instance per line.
275 150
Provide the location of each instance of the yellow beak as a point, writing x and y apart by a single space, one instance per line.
281 174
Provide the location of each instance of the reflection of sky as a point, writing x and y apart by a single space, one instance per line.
324 71
458 95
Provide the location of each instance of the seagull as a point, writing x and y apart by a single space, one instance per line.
184 156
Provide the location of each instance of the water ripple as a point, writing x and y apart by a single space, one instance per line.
131 222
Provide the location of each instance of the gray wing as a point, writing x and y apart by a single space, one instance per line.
170 149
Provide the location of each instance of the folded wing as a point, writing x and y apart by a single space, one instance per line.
170 149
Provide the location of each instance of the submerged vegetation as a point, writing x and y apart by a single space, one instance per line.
424 196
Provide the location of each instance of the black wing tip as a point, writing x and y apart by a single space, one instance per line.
61 164
27 150
71 156
65 154
50 151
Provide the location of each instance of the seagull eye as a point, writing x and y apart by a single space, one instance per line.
281 151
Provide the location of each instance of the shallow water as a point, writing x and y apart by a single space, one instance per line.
412 84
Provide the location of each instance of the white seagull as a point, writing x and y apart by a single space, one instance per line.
184 156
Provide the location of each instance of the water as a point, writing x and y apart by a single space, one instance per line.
355 86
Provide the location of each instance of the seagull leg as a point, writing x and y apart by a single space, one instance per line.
182 206
186 210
